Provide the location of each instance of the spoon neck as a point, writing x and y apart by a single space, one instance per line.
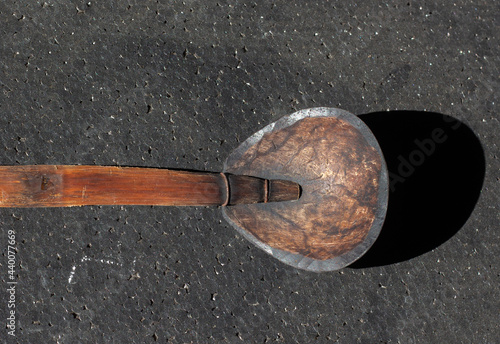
247 190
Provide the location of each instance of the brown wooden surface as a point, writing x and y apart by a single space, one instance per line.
62 186
65 186
339 174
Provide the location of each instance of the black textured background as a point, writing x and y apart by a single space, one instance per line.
180 85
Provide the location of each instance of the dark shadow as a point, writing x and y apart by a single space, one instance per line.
436 171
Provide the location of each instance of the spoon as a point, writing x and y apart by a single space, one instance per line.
310 189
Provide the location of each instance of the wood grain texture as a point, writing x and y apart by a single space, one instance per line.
65 186
339 174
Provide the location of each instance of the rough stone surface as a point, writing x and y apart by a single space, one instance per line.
180 85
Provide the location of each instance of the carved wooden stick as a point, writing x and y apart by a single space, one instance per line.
66 186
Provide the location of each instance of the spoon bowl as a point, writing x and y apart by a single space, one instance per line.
338 163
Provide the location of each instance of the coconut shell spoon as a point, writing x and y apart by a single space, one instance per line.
310 189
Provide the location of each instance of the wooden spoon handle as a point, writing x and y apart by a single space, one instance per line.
65 186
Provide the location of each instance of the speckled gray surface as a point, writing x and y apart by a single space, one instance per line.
180 85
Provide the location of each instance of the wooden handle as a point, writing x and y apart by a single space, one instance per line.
65 186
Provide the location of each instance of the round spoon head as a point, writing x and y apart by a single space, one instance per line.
338 163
